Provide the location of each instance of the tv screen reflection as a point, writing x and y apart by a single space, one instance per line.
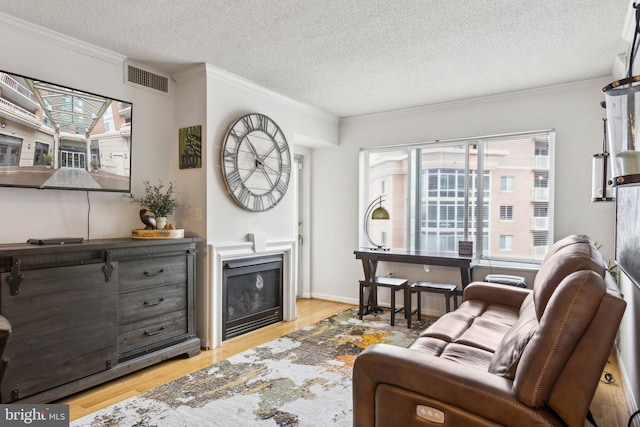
53 136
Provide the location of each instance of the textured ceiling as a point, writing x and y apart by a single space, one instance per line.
354 57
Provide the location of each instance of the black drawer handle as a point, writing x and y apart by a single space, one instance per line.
149 274
150 333
151 304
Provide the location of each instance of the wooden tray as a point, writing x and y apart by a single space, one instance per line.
157 234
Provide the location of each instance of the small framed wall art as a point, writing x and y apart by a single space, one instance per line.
190 147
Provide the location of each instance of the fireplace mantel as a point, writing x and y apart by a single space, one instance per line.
239 250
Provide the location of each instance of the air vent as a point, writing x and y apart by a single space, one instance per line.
141 77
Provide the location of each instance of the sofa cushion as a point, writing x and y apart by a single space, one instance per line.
484 334
507 355
472 357
501 314
429 345
564 242
564 261
452 325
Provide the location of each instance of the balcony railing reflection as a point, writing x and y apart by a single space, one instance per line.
12 83
541 162
539 223
538 252
125 129
19 112
540 194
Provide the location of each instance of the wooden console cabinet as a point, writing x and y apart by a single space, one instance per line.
86 313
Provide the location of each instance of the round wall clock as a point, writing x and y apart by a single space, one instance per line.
256 163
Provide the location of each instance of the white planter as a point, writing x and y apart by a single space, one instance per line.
629 162
161 222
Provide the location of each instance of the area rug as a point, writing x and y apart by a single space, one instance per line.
301 379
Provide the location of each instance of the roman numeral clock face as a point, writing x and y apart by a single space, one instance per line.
256 163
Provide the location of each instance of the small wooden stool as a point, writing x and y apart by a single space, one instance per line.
447 289
392 283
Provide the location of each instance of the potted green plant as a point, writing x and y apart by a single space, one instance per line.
48 159
95 164
161 203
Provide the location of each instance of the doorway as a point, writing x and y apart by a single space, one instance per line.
302 226
71 159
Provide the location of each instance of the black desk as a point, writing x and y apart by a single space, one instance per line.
370 260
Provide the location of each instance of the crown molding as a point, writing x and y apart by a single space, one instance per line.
474 100
225 76
37 32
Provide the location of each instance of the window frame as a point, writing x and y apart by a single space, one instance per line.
473 222
506 213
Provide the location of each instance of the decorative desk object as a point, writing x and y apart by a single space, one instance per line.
465 248
86 313
159 203
256 163
166 233
375 213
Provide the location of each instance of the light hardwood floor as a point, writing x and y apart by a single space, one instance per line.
609 407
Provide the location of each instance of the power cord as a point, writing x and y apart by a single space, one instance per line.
488 260
608 378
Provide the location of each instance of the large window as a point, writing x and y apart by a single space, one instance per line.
494 191
506 213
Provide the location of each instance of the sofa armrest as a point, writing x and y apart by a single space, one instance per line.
495 293
471 391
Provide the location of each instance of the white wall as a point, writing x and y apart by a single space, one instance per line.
572 110
207 96
229 98
201 95
30 213
215 99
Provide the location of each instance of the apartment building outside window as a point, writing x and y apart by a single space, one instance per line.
507 183
506 242
494 191
506 213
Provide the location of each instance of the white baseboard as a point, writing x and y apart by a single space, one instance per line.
626 381
327 297
354 301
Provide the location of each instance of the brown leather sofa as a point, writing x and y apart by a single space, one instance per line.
507 356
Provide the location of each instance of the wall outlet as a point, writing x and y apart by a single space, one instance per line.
198 214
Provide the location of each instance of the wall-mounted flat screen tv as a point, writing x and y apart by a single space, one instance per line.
53 136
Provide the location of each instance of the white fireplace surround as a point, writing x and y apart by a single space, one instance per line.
241 250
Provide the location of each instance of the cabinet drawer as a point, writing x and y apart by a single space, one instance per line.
152 272
151 302
135 337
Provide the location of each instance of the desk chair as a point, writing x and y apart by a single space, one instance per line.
371 306
446 289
